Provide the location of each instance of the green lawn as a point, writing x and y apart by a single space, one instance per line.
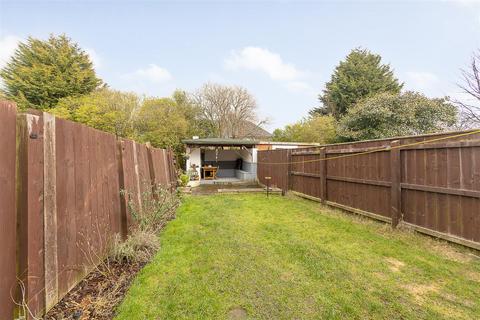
246 256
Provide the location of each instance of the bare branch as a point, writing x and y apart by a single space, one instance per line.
470 111
231 109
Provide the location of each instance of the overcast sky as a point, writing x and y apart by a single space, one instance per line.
283 52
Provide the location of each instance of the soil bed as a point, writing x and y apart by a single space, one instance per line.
98 295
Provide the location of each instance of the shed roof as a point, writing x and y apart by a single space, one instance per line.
220 142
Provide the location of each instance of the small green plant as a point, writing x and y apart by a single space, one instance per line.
184 179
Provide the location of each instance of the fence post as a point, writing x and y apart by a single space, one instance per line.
7 208
172 170
396 191
289 171
124 194
50 211
151 169
323 174
137 177
30 210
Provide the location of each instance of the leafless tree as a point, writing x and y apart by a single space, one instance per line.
230 109
470 106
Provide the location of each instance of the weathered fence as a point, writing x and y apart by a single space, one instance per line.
68 204
433 187
7 208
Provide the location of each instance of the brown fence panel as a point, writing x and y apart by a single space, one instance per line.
172 165
160 167
131 178
441 189
30 211
61 203
70 272
87 208
305 173
142 154
359 181
433 186
7 208
277 172
136 174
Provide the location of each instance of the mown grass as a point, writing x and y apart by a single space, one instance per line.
246 256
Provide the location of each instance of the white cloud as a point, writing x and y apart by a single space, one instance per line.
263 60
300 87
8 45
152 73
270 63
94 57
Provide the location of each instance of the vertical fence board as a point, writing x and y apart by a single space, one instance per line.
7 208
66 222
30 186
50 211
121 187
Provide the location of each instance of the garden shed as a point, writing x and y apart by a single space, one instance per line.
213 160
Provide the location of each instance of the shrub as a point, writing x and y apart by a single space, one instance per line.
139 247
184 179
388 115
157 207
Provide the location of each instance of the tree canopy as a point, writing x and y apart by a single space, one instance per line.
319 129
389 114
162 123
40 73
104 109
361 75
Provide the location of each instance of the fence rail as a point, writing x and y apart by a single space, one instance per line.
61 202
430 182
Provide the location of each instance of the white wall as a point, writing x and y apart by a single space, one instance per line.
194 158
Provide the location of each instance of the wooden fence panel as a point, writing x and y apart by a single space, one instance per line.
160 166
7 208
70 272
359 181
143 166
441 190
172 165
434 186
277 172
30 211
305 173
61 202
131 178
